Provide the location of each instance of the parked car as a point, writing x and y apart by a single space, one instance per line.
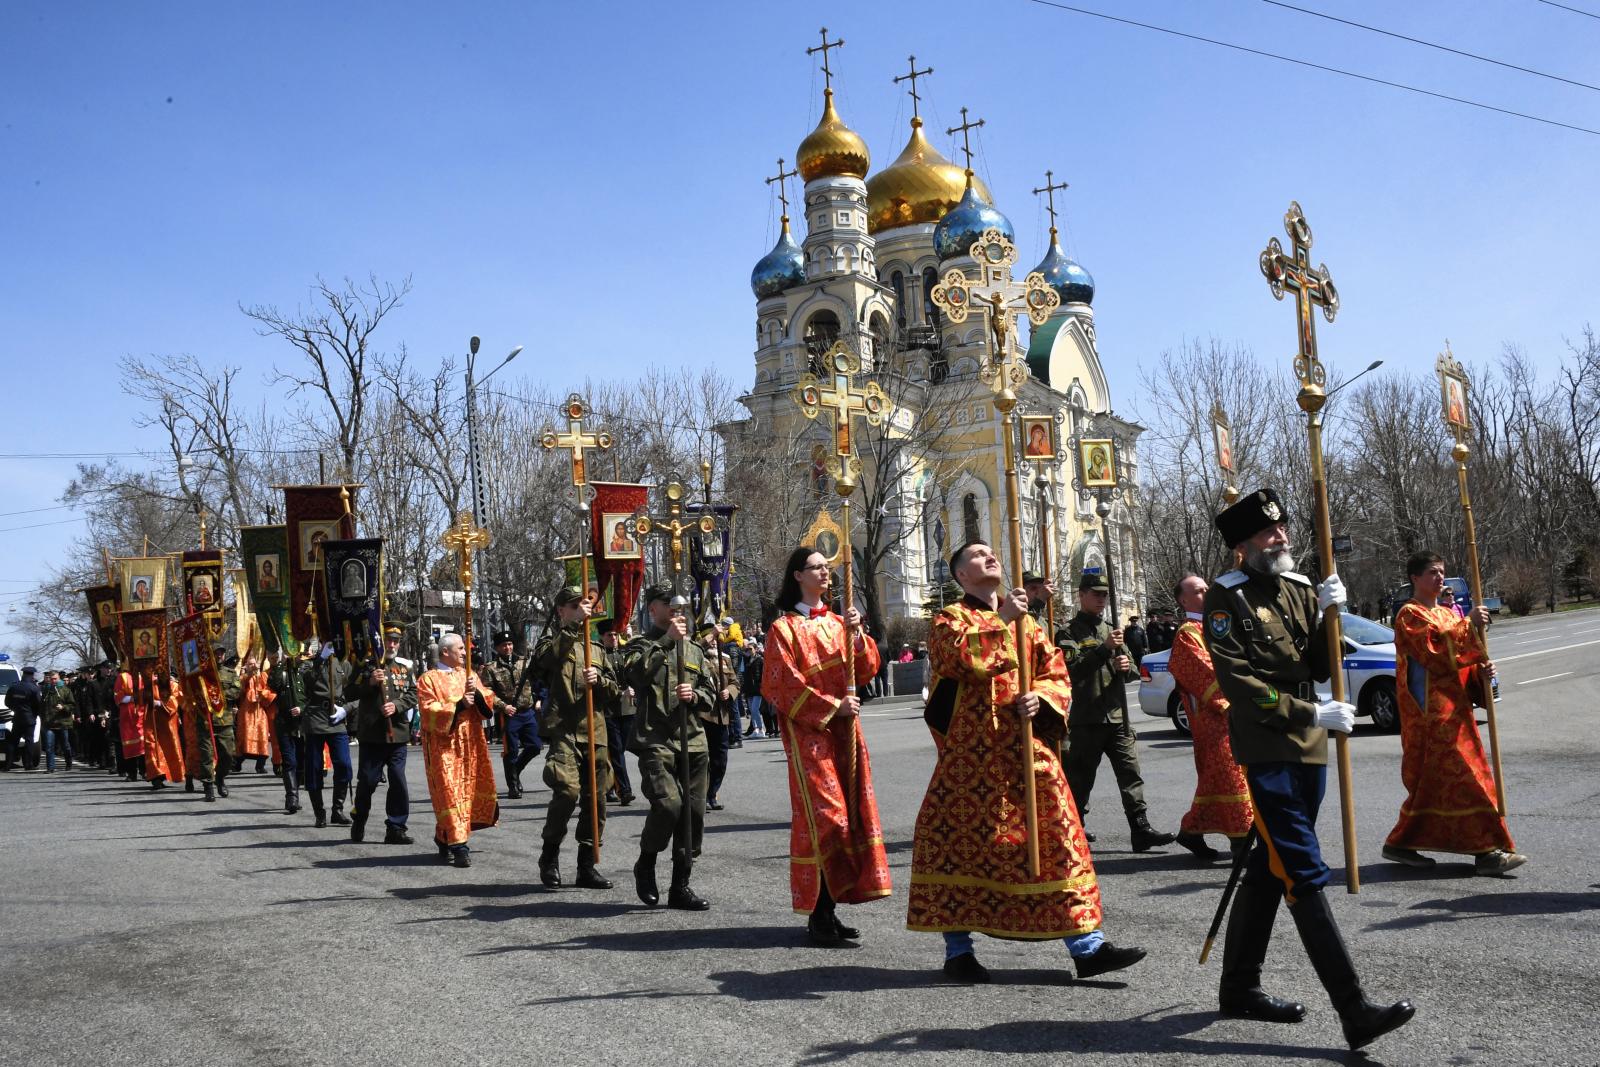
1368 667
9 675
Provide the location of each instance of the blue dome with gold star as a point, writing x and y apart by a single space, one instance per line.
964 224
782 268
1070 281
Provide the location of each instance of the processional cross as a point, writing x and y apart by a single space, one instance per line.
464 537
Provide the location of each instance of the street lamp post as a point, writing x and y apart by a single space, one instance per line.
474 460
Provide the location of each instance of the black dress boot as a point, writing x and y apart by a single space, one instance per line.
588 877
1255 908
358 826
1364 1021
315 796
644 879
291 799
680 896
339 817
513 783
211 793
188 785
822 928
1147 837
550 865
222 785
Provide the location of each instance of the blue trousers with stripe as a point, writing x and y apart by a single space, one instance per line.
1287 797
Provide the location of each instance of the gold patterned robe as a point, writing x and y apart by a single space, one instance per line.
253 727
163 736
969 865
460 777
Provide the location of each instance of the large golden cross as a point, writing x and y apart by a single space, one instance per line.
1001 299
824 48
843 401
1312 288
912 78
576 440
464 537
674 525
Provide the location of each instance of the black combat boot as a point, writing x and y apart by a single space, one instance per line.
550 865
1364 1021
588 877
291 796
211 793
222 785
513 779
1146 837
644 879
358 826
339 817
396 835
1196 843
1255 908
679 895
315 796
188 785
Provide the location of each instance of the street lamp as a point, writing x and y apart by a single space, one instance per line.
473 459
1374 365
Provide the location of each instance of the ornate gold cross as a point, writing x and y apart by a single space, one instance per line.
839 397
1312 288
464 537
576 440
673 526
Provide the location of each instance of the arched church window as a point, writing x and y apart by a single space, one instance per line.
930 311
969 518
879 328
822 330
897 282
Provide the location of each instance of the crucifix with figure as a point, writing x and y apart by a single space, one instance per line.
1313 289
576 441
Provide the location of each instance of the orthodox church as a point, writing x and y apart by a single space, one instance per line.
875 244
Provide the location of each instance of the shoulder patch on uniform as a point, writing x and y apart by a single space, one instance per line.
1220 623
1295 576
1232 579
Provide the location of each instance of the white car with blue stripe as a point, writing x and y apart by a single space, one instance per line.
1368 678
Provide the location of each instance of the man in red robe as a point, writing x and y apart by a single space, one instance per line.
131 712
1450 801
163 737
1221 802
454 704
836 853
969 864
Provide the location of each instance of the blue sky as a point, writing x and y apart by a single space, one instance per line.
587 180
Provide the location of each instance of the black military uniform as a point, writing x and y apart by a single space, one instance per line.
284 680
619 719
324 722
105 691
1098 726
386 695
1269 646
515 697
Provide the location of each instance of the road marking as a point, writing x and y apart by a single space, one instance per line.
1543 652
1546 678
1590 630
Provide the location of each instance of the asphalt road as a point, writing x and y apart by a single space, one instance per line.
154 929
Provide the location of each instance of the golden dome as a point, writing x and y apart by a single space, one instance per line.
832 148
920 186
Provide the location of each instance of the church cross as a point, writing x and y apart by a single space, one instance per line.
1000 299
782 178
964 130
912 78
824 47
1049 190
576 440
843 401
1312 288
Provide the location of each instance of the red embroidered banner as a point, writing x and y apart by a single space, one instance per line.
618 555
314 514
191 639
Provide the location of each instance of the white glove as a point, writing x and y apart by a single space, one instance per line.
339 712
1337 716
1330 592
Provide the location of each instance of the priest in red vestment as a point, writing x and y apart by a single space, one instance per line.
1450 796
257 705
836 853
163 738
453 705
131 712
969 864
1221 802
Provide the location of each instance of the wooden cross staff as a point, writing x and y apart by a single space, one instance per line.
1001 299
1453 390
577 441
1313 288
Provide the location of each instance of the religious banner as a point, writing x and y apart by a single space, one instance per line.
353 573
144 636
603 597
314 515
710 562
618 555
1097 458
246 634
202 586
264 550
197 666
104 601
143 582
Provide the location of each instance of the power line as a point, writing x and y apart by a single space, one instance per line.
1316 66
1430 44
1574 10
37 525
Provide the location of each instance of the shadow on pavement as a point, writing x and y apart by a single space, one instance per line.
1378 873
621 994
1117 861
1490 906
711 937
740 827
382 859
1140 1035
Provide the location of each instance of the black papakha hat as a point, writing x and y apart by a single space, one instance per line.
500 637
1094 581
1250 516
1029 577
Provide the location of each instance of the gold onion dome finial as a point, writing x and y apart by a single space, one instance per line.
832 149
920 186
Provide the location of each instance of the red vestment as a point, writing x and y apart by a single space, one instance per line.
130 715
1221 802
460 777
252 729
163 741
1450 795
834 832
969 864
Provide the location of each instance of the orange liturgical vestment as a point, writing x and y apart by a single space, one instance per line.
834 833
460 777
969 864
1221 802
163 741
257 704
131 714
1450 796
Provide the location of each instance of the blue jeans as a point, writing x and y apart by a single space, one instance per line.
375 758
50 737
959 943
339 752
754 706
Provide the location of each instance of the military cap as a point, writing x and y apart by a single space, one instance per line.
1090 580
1250 516
393 631
569 595
501 637
657 592
1029 577
29 670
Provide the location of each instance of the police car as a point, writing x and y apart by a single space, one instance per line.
9 676
1368 678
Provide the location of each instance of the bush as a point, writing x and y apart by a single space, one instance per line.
1521 581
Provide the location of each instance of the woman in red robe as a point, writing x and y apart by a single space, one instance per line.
455 751
1450 796
836 853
